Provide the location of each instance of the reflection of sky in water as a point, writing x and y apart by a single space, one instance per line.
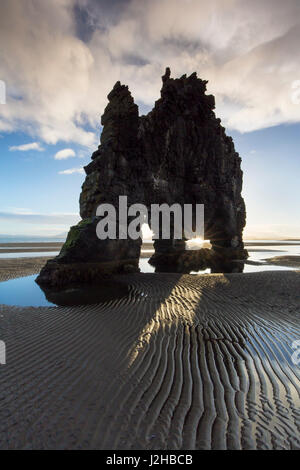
11 247
23 292
274 344
262 253
145 267
256 253
30 254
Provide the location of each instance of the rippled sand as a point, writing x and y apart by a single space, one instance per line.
184 362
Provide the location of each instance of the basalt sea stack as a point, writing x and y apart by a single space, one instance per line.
178 153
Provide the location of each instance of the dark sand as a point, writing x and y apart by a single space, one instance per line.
185 362
30 250
32 245
272 243
46 247
291 261
11 268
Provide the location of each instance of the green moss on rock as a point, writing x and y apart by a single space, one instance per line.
74 234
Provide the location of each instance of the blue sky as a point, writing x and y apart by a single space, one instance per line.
270 162
62 57
32 183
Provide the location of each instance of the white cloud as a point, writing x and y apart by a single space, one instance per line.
57 85
19 211
63 154
271 231
19 222
26 147
71 171
33 218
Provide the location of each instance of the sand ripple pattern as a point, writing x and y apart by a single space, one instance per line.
10 267
183 362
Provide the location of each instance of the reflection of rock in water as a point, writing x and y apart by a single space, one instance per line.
194 260
227 266
106 290
178 153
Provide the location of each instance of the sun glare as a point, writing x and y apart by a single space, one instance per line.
197 243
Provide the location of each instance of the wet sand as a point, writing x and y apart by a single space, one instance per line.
184 362
272 243
16 248
33 245
11 268
291 261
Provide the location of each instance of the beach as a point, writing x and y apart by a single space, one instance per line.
182 362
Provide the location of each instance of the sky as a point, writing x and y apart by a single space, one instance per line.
59 59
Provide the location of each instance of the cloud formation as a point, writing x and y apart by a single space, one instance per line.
64 154
32 218
62 57
26 147
71 171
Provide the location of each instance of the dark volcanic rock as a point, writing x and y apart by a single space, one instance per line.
178 153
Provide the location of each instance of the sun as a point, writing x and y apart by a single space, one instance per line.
197 243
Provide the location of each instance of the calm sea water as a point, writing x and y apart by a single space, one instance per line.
14 239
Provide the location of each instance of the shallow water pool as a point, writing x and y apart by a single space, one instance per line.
23 292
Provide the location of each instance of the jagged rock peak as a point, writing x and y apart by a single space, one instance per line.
177 153
120 118
167 75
